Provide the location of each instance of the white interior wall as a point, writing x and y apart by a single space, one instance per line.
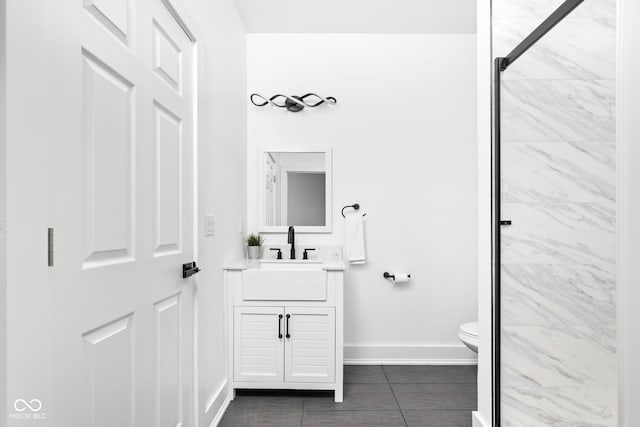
628 210
359 16
404 146
222 183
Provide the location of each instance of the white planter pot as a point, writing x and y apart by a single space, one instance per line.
254 252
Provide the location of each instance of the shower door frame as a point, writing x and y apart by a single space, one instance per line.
501 64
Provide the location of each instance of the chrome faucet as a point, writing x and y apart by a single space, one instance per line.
292 240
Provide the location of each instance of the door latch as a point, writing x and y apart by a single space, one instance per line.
50 247
189 269
505 222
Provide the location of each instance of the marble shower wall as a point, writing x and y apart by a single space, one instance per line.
558 159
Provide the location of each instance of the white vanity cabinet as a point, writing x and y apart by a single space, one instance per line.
285 327
290 344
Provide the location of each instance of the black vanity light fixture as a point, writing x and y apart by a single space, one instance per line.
292 103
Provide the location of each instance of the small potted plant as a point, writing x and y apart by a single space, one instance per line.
254 246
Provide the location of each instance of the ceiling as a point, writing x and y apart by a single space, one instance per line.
359 16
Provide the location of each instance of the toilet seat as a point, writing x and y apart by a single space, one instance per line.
468 334
470 329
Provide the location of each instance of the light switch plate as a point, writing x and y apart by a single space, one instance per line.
209 226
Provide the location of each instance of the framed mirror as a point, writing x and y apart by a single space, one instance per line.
295 189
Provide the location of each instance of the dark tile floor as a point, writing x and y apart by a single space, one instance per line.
427 396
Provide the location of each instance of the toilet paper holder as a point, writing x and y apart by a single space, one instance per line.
387 275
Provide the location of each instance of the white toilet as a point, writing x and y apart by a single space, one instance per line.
468 334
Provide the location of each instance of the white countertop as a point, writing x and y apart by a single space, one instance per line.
245 264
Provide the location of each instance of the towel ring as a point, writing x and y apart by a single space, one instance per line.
355 206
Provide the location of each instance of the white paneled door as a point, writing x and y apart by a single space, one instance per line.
121 130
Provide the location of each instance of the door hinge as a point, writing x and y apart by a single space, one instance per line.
50 247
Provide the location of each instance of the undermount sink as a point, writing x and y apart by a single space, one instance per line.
279 280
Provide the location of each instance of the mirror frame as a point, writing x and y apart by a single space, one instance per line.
327 228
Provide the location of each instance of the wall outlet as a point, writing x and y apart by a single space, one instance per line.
209 225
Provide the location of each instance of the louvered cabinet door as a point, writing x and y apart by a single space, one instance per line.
310 341
258 344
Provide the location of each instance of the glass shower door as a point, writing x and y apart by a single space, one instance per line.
557 268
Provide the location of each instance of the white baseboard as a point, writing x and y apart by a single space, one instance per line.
477 420
220 399
409 355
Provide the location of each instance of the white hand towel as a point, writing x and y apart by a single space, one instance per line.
354 239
